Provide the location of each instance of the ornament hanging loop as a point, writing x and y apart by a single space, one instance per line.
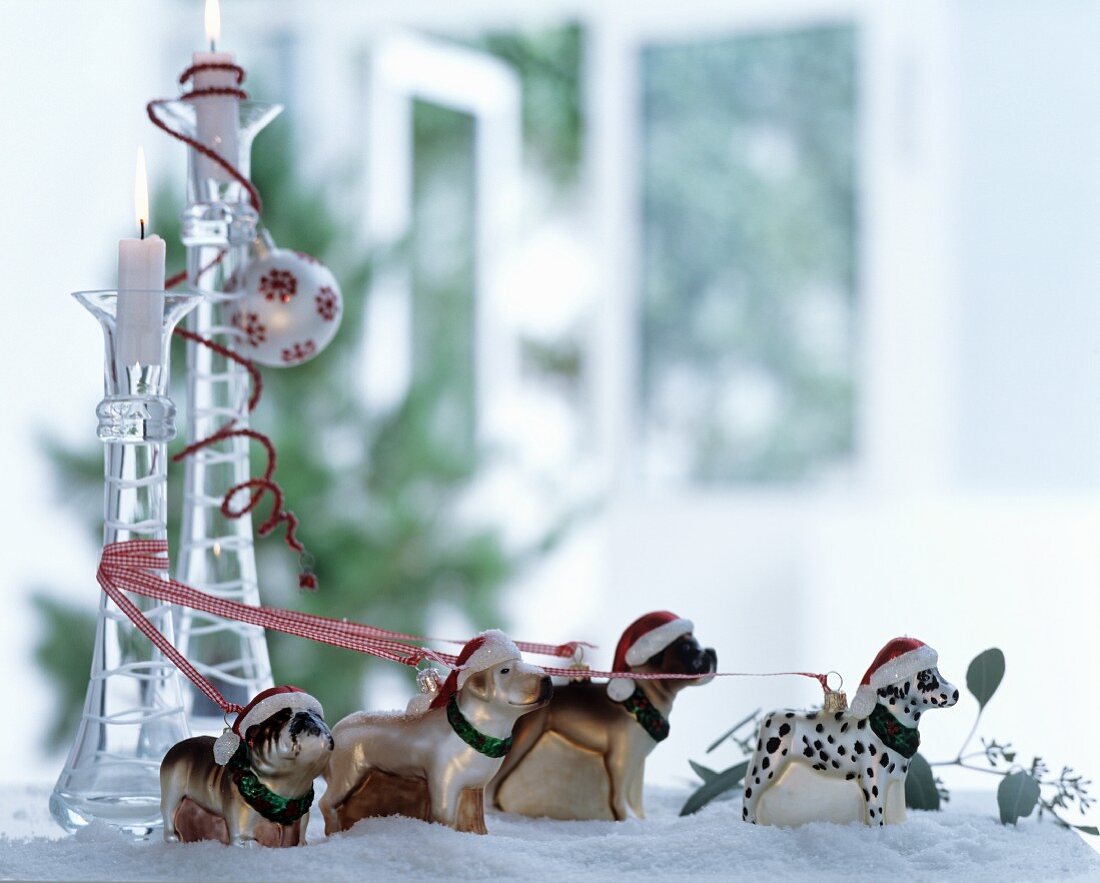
835 700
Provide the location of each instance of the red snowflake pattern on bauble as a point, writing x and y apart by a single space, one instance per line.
299 352
295 301
251 326
327 304
278 284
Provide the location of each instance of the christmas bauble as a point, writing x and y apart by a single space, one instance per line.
290 308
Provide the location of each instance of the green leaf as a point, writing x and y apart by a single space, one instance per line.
1016 796
704 773
725 781
1087 829
985 674
920 785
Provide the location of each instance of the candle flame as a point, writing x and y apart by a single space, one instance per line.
217 549
141 190
213 21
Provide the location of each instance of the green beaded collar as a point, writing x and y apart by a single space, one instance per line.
272 806
894 735
651 720
490 746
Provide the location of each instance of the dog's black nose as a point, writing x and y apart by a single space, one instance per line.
955 695
705 662
309 723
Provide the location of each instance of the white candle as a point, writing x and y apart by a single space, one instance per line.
140 312
216 116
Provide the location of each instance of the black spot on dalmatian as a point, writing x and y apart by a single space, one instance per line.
817 744
759 744
819 766
884 760
872 749
773 744
820 728
783 753
748 792
789 715
766 762
906 710
838 716
757 780
822 755
831 739
812 716
768 723
916 715
784 729
753 773
905 768
850 776
874 790
870 772
866 795
836 766
891 768
858 747
808 751
844 727
862 723
744 812
871 813
841 750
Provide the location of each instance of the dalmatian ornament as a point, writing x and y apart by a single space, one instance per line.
290 309
848 766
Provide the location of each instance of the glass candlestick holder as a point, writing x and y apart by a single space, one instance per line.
215 553
133 708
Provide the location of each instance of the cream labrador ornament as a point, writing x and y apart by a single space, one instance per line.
583 756
254 784
848 766
433 763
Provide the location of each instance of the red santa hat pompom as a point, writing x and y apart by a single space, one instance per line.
647 636
479 654
901 658
263 705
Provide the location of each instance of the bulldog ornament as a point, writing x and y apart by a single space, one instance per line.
254 784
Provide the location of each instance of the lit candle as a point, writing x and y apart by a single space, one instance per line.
140 312
216 115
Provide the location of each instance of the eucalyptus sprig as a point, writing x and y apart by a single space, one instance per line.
1022 788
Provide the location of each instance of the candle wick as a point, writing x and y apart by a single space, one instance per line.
213 46
142 223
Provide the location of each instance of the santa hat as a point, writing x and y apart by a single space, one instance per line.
900 659
479 654
263 705
645 637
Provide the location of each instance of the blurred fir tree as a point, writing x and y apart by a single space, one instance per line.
376 494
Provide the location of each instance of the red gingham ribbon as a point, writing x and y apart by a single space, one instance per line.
140 566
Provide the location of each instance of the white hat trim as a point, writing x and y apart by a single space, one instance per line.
262 710
655 640
620 689
497 648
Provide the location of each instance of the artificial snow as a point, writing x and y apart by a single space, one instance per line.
956 844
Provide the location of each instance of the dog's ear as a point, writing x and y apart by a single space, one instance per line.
480 685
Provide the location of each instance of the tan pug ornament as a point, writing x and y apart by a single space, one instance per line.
433 763
254 784
583 755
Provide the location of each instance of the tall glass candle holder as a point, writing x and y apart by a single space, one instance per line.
216 553
133 709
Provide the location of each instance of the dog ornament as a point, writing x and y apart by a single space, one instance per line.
583 755
434 763
254 784
848 766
